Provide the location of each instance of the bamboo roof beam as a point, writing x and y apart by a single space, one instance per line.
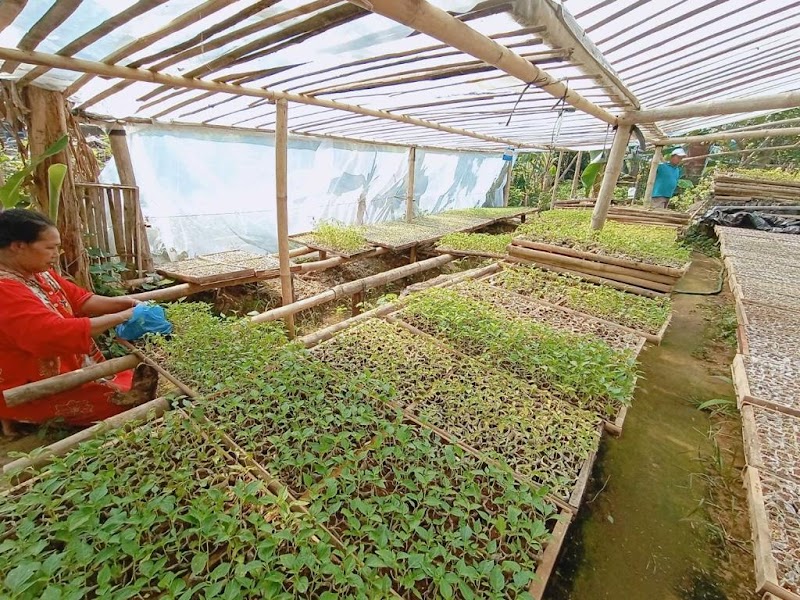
766 124
745 151
426 18
726 135
54 16
127 73
715 107
9 9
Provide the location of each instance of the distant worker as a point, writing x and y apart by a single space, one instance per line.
667 176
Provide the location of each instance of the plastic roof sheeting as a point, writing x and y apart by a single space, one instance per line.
666 54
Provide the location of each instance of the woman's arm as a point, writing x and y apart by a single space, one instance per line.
98 325
104 305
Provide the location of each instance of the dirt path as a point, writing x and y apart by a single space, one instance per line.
653 527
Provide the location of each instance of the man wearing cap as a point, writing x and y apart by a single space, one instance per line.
667 176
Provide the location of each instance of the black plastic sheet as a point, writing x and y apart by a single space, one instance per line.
753 218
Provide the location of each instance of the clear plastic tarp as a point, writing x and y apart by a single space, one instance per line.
208 190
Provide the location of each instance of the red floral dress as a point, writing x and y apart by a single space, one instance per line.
42 334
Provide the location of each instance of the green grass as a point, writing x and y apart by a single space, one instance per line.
341 238
648 243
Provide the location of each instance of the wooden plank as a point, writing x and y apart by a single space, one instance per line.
129 229
762 541
114 200
549 557
103 213
90 223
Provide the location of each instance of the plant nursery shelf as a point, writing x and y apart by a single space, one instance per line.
223 266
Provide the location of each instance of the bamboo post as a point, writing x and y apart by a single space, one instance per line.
651 176
122 156
613 168
509 178
554 196
577 176
67 381
281 198
412 174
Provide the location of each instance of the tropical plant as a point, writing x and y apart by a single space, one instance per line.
13 193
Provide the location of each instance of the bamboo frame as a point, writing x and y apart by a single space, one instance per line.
576 176
741 135
744 395
281 195
715 107
554 195
611 175
411 184
651 175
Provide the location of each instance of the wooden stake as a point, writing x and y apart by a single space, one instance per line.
67 381
554 196
613 168
577 176
412 174
651 176
281 198
356 303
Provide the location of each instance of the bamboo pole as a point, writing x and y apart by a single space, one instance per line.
651 176
412 174
281 198
577 176
435 22
509 179
613 168
150 410
732 152
67 381
669 273
353 287
713 108
724 135
554 196
127 73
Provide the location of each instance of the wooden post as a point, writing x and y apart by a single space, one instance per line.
554 196
651 177
412 255
356 303
281 198
509 177
613 168
46 123
412 176
122 156
577 176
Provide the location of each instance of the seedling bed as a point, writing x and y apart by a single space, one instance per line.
497 213
769 330
578 369
775 523
650 316
223 266
757 270
436 521
781 295
540 437
163 511
515 305
769 381
313 242
772 441
651 244
475 244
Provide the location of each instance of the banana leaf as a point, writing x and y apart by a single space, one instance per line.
55 180
10 192
593 169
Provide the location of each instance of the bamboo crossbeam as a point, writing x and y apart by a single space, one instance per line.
150 410
745 151
353 287
67 381
724 135
713 108
127 73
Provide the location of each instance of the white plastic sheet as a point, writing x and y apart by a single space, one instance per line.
207 190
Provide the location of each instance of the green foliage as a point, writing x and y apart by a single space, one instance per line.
478 242
637 312
579 369
539 436
11 193
571 228
342 238
106 273
593 170
55 181
769 174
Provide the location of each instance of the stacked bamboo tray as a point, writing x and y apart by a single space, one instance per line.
634 214
765 278
729 189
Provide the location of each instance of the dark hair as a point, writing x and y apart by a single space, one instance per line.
20 225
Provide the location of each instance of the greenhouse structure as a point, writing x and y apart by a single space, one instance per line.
420 299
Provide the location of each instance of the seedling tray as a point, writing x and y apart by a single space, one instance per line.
768 330
775 524
772 441
767 381
769 293
310 240
223 266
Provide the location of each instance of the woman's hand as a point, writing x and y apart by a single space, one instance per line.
104 305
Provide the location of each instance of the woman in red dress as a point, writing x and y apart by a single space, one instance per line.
46 328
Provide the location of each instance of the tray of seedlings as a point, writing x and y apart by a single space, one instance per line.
437 522
768 330
458 222
750 269
495 213
579 369
516 306
772 441
784 294
544 440
400 235
645 316
336 239
164 511
775 524
474 244
768 380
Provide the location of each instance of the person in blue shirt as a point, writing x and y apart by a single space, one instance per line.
667 176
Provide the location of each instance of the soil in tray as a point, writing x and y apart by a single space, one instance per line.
774 379
778 442
158 512
541 437
782 505
772 330
436 521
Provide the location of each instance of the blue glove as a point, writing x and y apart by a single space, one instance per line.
147 318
